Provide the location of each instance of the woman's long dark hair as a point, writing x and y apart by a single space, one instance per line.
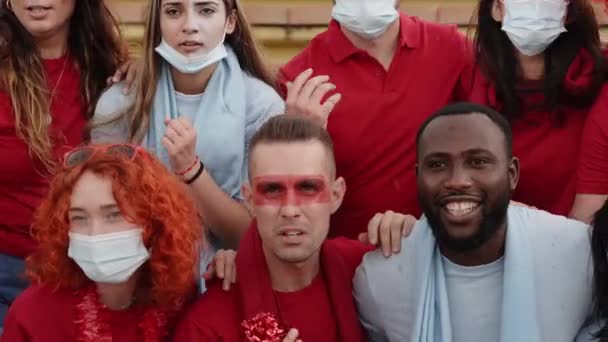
94 43
496 57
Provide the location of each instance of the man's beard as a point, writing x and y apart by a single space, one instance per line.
493 218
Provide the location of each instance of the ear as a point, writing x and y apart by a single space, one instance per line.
248 198
231 22
498 10
514 173
338 189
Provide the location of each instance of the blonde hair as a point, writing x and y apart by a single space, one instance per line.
94 45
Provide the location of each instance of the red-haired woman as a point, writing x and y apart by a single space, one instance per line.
118 244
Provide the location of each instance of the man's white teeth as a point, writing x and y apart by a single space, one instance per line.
461 208
291 234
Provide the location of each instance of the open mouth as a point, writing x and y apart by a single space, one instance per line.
38 9
291 235
462 208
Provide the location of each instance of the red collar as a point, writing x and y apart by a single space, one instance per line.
340 47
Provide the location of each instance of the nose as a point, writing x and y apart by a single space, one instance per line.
290 211
93 226
458 179
290 208
190 25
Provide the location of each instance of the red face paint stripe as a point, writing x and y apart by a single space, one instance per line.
281 190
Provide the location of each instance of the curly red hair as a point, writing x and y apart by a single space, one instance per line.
154 199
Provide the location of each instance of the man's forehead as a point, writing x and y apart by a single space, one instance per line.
460 133
293 178
297 158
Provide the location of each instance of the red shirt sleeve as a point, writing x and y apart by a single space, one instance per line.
13 331
352 251
592 173
466 81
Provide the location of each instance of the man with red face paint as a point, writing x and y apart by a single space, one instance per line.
287 269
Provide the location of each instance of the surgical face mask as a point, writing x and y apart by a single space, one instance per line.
108 258
367 18
532 25
191 65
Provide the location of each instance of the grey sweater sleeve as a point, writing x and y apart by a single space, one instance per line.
369 312
111 105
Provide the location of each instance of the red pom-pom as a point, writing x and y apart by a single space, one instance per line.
264 327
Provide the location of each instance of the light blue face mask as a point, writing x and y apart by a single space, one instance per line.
367 18
191 65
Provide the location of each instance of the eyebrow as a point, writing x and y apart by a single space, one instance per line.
470 151
478 151
172 3
105 207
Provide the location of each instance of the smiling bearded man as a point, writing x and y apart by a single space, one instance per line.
475 268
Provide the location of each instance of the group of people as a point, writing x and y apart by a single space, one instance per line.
115 195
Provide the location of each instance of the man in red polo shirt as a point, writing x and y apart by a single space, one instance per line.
391 71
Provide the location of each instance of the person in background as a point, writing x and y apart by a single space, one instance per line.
118 241
55 58
540 64
380 73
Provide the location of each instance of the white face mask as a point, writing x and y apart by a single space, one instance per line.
191 65
108 258
532 25
367 18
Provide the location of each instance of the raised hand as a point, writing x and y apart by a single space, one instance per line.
180 142
305 96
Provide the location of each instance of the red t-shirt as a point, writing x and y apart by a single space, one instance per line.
42 315
375 124
22 183
592 173
548 152
216 316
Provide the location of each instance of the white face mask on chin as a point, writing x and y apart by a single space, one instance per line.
532 25
191 65
108 258
367 18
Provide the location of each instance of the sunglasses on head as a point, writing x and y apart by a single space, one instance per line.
83 154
